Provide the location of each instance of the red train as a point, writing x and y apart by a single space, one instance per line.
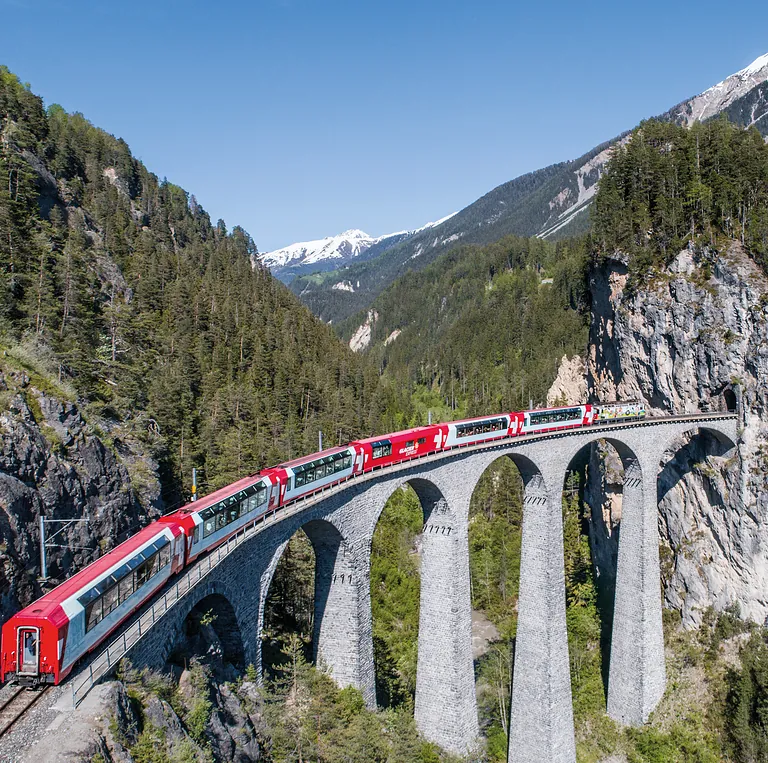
44 641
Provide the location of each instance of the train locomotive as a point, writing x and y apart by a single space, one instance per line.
42 643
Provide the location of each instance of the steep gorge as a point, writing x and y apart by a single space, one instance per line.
688 340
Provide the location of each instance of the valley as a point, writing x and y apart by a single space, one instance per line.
140 340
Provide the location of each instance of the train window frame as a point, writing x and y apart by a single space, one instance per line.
126 586
110 600
94 606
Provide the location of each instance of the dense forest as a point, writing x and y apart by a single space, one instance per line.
670 185
132 295
485 327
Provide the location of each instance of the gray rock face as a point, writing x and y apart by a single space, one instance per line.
53 463
694 338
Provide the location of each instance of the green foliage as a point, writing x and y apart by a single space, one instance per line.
144 307
395 588
309 718
495 534
478 327
200 706
747 702
669 185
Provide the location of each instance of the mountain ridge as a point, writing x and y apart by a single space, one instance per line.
552 203
327 253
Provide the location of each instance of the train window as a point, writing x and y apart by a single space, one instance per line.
539 418
382 449
234 514
422 440
409 444
93 614
165 555
126 585
298 480
261 495
196 536
110 600
144 572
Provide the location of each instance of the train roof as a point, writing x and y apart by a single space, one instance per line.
304 459
402 433
218 495
45 605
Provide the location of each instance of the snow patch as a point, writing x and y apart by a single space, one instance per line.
723 94
343 286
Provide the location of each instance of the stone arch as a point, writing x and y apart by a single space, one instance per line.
693 466
214 611
686 448
445 709
541 711
338 601
237 640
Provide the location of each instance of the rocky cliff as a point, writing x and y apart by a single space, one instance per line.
693 338
61 464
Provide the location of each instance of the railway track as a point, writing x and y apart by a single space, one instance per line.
14 708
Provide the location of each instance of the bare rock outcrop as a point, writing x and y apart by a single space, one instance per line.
694 339
56 464
570 384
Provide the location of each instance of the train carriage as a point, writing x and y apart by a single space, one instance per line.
42 642
211 520
480 429
554 419
303 476
399 446
608 412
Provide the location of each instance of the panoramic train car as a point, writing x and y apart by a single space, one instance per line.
209 521
42 642
480 429
619 412
553 419
303 476
398 446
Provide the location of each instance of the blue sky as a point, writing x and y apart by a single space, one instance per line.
298 118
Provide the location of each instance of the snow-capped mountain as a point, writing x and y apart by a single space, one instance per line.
331 252
722 95
552 202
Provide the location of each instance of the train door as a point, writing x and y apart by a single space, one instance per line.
29 651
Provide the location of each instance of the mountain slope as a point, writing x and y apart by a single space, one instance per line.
551 203
332 252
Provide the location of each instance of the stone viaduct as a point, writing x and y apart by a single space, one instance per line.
341 522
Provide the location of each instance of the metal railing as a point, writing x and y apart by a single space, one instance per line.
106 661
